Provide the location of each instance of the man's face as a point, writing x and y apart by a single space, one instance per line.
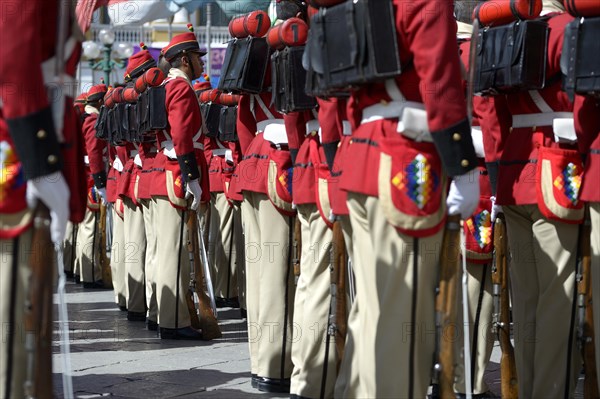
196 61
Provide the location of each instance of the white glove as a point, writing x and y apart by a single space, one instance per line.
496 209
53 191
463 196
102 193
193 189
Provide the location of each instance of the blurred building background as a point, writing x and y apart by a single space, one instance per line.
118 27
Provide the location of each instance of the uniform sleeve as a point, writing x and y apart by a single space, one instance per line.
586 113
295 129
24 100
183 113
95 150
429 31
331 126
246 124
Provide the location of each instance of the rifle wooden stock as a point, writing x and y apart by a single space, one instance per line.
340 260
586 323
189 296
446 306
208 322
38 310
104 262
508 368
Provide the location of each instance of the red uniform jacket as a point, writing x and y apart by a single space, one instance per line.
409 176
251 173
184 135
29 145
587 126
515 150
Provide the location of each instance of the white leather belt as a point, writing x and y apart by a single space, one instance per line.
275 133
260 126
541 119
564 130
411 115
169 149
477 136
117 164
219 152
346 128
137 160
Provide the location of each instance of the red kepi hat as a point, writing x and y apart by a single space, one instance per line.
139 63
185 42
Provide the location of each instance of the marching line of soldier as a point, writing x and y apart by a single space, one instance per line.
330 217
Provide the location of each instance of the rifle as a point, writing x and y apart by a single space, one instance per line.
38 308
339 263
104 261
191 298
208 322
297 249
501 315
585 325
445 306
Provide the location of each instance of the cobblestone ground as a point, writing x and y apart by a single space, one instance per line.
112 357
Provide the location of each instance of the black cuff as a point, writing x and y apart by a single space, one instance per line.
293 155
492 168
455 147
188 166
99 179
330 149
36 143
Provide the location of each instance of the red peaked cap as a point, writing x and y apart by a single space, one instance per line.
82 98
202 84
139 63
96 93
181 43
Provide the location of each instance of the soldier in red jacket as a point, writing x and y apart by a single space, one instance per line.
185 175
587 125
88 235
33 167
536 172
398 204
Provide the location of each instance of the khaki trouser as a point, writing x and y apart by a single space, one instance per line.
14 281
150 268
117 259
311 310
269 286
542 271
394 327
69 247
88 247
135 256
173 265
480 299
595 244
222 246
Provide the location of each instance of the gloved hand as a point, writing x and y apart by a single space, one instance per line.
53 191
496 209
463 196
193 189
102 192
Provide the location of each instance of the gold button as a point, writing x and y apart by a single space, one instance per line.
190 175
464 163
186 161
314 132
383 102
52 159
456 137
510 129
41 134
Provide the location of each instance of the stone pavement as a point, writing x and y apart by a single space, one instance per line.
112 357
